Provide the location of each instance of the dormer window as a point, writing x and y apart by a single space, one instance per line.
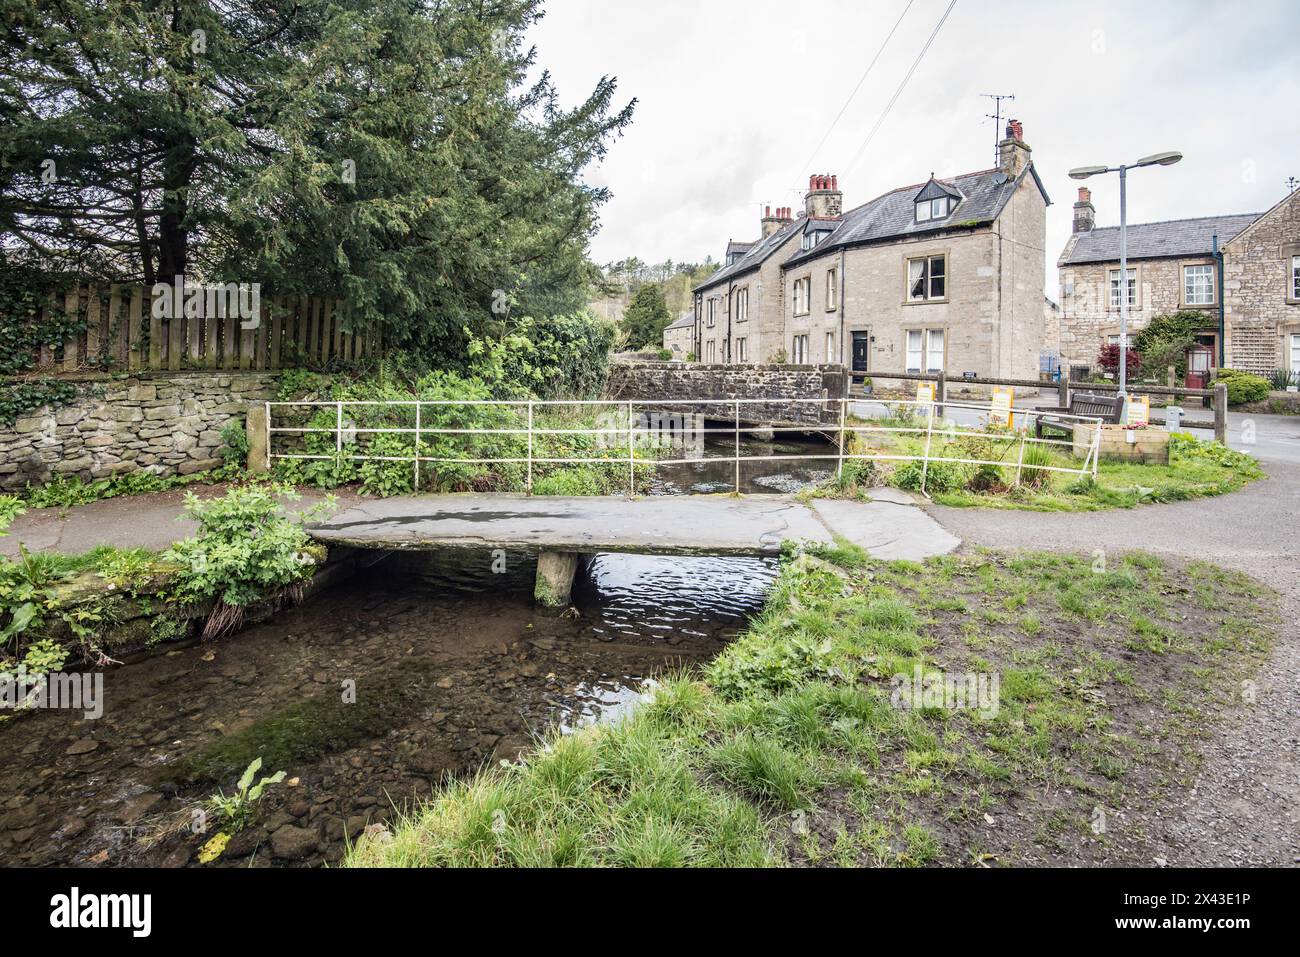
810 240
930 209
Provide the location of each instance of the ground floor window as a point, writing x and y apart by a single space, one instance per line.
742 355
799 350
709 352
830 347
1295 353
925 350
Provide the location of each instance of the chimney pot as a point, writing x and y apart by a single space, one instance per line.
835 182
1015 130
1085 194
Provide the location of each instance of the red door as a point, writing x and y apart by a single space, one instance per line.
1200 360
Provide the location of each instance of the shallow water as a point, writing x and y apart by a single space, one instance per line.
448 666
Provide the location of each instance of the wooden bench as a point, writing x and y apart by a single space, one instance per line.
1105 407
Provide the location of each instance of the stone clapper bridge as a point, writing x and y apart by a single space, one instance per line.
560 530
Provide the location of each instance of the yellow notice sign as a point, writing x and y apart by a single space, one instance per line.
1000 408
1139 410
925 395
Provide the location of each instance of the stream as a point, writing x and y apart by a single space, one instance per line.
371 694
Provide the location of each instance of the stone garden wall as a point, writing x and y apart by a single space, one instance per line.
167 423
647 381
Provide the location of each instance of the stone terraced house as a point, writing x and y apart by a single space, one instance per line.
1172 267
943 275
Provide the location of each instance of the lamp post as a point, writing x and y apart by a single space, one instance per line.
1083 172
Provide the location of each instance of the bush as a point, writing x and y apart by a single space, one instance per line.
246 551
1032 472
1282 379
939 477
1108 360
1243 387
665 355
234 445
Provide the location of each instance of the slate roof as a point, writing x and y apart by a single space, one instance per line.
893 216
737 247
755 257
1175 237
684 321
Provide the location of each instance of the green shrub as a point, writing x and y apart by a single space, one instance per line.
234 445
665 355
939 477
1243 387
11 506
246 550
1282 379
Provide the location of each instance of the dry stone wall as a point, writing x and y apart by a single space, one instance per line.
168 424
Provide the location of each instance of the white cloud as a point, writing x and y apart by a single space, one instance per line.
734 95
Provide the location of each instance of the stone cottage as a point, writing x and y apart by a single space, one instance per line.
942 275
1173 267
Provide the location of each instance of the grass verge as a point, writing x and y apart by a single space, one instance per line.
795 747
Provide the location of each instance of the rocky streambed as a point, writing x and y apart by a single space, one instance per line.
367 697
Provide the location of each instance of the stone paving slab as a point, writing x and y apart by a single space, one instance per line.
677 525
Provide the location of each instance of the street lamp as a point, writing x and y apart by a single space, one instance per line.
1083 172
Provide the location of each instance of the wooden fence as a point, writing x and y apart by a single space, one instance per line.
123 334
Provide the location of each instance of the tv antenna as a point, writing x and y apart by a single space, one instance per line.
996 117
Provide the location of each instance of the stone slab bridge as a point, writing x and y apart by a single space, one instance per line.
561 530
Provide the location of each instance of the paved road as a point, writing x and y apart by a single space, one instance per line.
890 526
1245 806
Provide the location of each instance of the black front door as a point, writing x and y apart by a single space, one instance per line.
861 343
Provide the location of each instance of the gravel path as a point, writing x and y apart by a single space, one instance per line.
1245 806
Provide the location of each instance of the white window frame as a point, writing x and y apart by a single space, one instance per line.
741 352
712 319
930 352
927 278
917 336
742 304
1295 278
831 355
710 351
932 209
1295 349
832 288
1204 284
802 301
799 349
1112 276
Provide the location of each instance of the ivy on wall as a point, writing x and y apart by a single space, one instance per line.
26 395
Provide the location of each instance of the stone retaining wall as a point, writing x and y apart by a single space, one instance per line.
167 423
647 381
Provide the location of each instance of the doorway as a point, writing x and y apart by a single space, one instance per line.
861 356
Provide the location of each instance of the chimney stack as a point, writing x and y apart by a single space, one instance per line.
1085 214
824 199
1013 152
774 219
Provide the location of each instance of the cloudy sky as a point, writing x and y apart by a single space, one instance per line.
735 95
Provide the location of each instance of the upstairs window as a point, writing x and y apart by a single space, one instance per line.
799 350
742 304
802 295
929 209
1295 277
1198 285
713 312
811 239
927 278
1132 288
832 289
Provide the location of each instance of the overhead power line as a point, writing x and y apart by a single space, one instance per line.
899 92
862 79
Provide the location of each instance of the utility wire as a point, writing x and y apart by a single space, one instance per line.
899 92
862 79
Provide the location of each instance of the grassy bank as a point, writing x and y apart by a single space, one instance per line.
1196 469
794 747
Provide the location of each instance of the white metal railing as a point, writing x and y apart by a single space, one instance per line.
934 425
